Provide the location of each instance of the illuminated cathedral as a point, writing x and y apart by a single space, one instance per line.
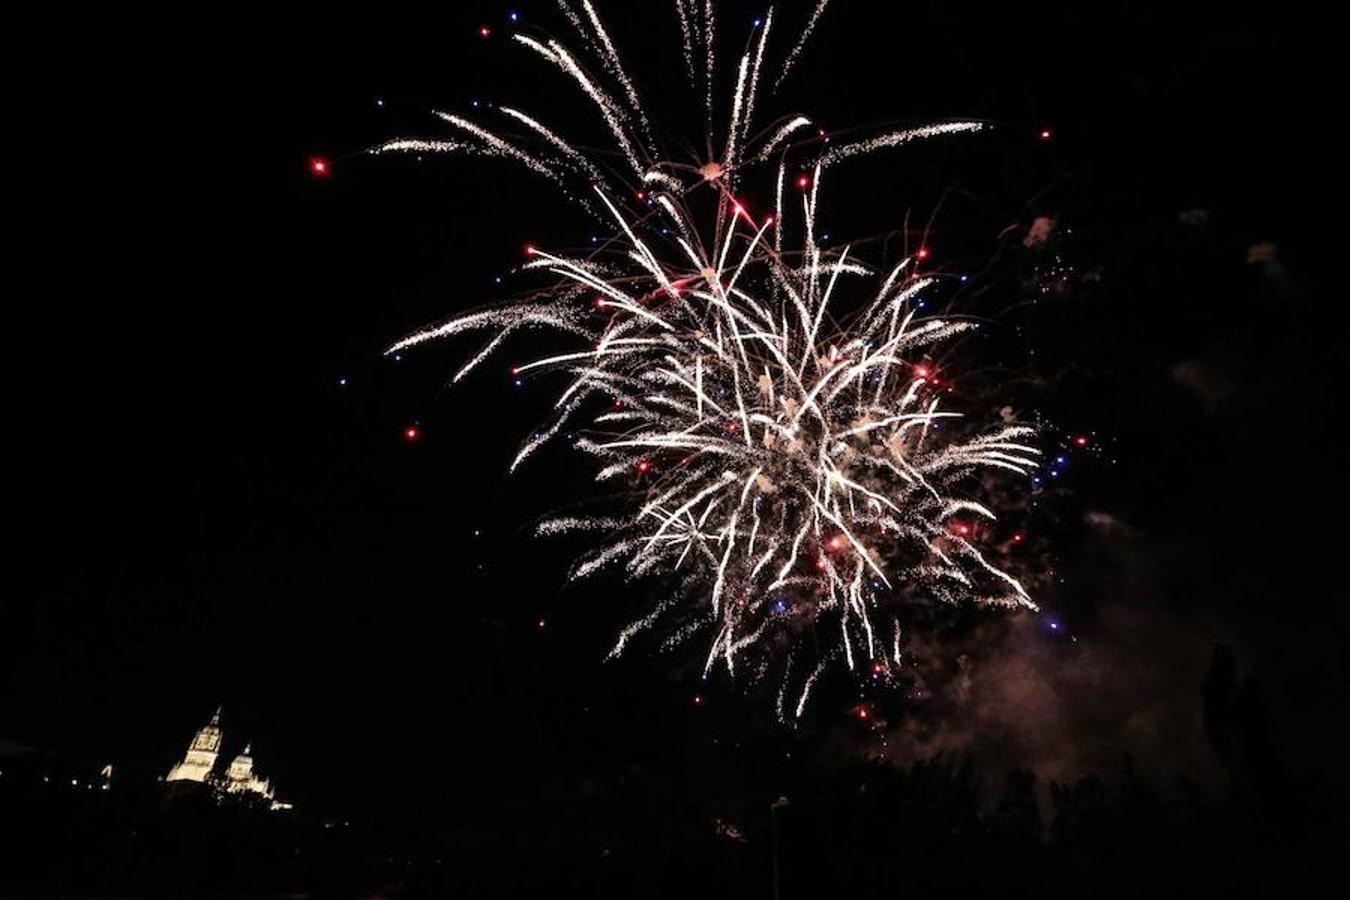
199 765
201 754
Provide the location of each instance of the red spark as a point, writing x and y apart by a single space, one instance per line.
485 32
1081 440
962 529
698 699
923 253
643 466
1017 538
923 371
1045 134
530 250
803 182
412 433
318 166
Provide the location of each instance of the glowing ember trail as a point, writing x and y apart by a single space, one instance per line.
793 478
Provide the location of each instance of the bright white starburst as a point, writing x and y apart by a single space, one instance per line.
792 461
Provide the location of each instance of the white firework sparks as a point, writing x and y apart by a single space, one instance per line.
793 471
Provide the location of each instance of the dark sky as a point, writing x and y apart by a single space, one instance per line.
201 514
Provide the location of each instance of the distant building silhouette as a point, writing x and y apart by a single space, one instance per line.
239 779
201 754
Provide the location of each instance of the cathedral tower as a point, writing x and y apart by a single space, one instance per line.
201 754
240 778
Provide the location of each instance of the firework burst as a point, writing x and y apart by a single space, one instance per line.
788 466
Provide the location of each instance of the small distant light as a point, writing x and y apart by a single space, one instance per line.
379 101
514 15
825 236
923 253
923 371
318 166
803 182
698 699
518 383
398 357
962 529
1060 460
643 467
541 624
965 278
412 433
342 381
1046 134
756 23
862 712
485 32
474 102
1081 440
1054 626
497 280
641 195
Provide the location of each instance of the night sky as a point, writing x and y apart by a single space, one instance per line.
213 500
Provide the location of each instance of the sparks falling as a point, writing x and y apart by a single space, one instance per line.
790 469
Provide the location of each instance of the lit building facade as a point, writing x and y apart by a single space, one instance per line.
239 779
201 754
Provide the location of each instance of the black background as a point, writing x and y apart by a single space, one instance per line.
200 514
